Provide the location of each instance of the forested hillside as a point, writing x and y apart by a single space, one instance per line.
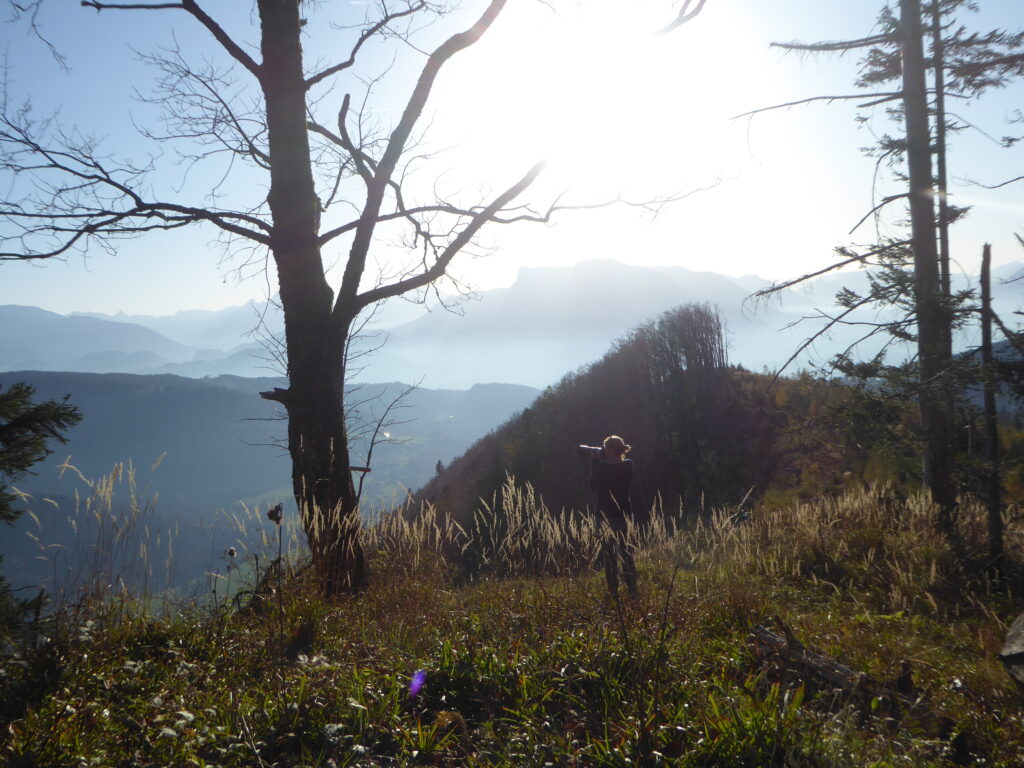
704 434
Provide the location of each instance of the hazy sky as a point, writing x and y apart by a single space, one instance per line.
613 107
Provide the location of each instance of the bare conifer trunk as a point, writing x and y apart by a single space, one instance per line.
938 51
993 497
932 315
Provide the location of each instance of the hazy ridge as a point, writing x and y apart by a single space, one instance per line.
557 319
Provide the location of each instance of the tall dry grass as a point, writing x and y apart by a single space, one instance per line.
868 539
107 540
512 534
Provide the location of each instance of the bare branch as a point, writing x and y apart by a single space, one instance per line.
884 99
833 321
382 422
685 15
996 186
229 45
437 270
509 217
101 223
851 259
880 206
198 105
834 45
880 96
192 7
88 199
366 166
344 141
31 10
130 6
366 35
396 145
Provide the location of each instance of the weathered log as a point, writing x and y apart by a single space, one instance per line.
897 702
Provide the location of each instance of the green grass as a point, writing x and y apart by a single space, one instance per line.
542 667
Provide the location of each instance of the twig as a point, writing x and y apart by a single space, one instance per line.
250 741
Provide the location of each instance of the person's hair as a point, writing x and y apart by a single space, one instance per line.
616 444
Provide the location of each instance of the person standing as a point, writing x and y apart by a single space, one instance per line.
611 476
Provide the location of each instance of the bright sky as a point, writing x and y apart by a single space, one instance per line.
613 107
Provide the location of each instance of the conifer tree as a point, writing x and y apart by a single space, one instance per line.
26 431
910 274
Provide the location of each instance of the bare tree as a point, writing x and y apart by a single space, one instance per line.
65 194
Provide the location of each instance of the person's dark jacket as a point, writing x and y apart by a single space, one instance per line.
612 481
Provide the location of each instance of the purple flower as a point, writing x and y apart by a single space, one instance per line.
417 682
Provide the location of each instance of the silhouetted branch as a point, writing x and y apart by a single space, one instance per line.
382 422
851 259
997 186
1013 337
344 140
192 7
834 45
885 202
31 11
131 6
881 97
396 145
53 216
366 35
1000 62
437 270
194 102
833 321
884 99
229 45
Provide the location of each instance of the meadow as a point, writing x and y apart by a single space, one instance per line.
496 643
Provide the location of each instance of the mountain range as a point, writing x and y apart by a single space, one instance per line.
217 442
549 322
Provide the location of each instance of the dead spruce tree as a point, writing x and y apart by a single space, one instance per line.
65 194
910 273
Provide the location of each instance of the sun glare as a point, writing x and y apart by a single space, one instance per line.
595 91
617 109
587 88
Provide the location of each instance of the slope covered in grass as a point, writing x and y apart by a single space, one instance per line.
543 667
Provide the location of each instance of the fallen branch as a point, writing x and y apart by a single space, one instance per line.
899 703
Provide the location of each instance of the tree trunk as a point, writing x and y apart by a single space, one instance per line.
932 314
993 496
938 53
314 400
321 475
